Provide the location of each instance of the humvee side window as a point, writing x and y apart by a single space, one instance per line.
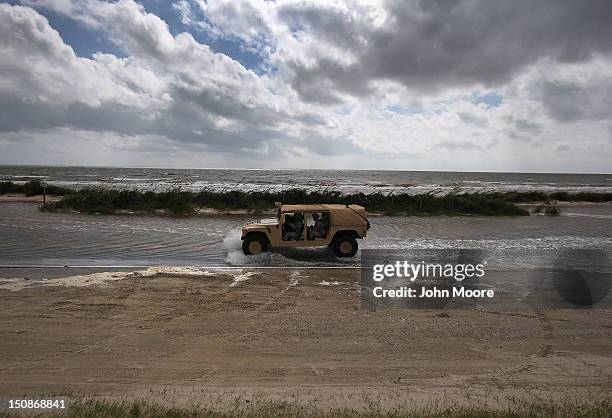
293 227
317 225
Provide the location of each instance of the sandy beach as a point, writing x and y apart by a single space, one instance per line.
180 335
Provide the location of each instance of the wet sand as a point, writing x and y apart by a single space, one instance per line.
225 336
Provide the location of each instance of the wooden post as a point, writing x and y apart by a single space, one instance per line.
44 186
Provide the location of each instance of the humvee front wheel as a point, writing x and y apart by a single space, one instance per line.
254 244
345 246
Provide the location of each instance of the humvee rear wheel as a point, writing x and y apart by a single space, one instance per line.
345 246
254 245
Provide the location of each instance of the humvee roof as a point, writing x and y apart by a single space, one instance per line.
317 208
351 215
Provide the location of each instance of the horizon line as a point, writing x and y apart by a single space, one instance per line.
298 169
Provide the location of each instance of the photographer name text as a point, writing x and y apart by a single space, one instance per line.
432 292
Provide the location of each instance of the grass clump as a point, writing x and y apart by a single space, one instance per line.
547 209
102 200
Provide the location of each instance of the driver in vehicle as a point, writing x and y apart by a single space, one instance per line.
294 226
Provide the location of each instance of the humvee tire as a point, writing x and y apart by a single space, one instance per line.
254 244
345 246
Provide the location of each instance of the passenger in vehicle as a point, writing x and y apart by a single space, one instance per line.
294 227
299 225
310 227
289 233
320 226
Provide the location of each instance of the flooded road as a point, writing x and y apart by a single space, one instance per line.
31 237
521 254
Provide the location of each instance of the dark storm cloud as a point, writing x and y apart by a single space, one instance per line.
208 102
329 147
568 101
526 126
430 45
325 83
521 129
473 119
562 147
332 25
177 123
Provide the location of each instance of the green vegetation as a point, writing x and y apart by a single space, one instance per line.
179 202
531 197
246 408
100 200
32 188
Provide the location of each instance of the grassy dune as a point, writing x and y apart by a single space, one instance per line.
104 408
530 197
179 202
99 200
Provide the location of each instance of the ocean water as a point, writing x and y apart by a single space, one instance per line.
368 181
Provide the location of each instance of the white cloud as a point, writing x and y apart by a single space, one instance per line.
339 87
169 86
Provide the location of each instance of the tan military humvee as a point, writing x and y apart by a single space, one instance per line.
338 226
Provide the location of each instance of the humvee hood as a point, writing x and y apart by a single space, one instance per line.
270 221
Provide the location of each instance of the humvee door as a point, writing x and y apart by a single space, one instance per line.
292 226
317 226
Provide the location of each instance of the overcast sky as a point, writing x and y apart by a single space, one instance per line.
469 85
